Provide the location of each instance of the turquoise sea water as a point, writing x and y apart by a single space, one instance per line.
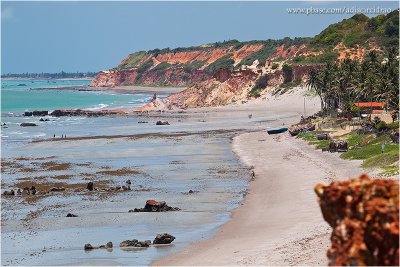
17 96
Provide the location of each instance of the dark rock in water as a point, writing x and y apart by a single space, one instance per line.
143 122
162 123
79 112
28 113
135 243
41 119
9 193
40 113
71 215
21 84
90 186
25 124
155 206
109 245
33 190
57 189
191 191
163 238
88 247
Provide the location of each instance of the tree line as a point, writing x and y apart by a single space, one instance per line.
340 85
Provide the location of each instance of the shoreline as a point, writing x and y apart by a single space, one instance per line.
259 233
118 89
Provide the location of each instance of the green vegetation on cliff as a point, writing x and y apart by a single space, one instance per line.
357 30
132 60
225 62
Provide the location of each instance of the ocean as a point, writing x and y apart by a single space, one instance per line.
18 96
163 163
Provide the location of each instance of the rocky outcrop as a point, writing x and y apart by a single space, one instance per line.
214 92
364 216
27 124
163 238
88 246
176 76
155 206
135 243
87 113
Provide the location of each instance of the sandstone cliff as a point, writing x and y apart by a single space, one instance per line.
233 71
364 216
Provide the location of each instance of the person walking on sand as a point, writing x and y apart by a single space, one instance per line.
383 146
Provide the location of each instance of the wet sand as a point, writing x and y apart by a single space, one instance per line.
200 159
280 222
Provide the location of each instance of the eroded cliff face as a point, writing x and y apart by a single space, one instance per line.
364 216
224 88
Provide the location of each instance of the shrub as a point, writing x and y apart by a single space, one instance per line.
287 73
274 66
221 63
259 86
145 66
162 66
381 126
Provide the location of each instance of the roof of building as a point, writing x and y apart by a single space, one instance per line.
369 104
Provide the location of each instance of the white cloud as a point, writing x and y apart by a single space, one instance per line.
7 13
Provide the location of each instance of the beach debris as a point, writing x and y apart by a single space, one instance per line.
135 243
163 238
338 146
10 192
71 215
162 123
143 122
27 124
41 119
191 191
155 206
90 186
364 216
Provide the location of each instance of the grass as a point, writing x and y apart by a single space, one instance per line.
132 60
370 150
369 147
365 147
311 137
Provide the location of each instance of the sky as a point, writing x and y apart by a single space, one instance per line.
94 36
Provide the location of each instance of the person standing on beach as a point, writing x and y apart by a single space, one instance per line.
383 146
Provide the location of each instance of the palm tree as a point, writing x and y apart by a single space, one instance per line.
314 82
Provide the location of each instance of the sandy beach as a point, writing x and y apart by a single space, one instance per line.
280 222
277 223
